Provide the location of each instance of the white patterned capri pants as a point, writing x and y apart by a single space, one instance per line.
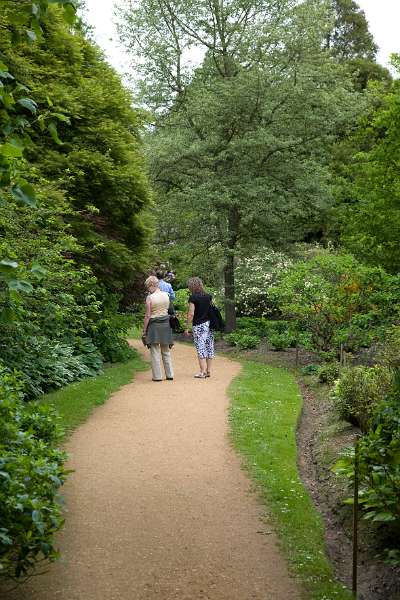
203 338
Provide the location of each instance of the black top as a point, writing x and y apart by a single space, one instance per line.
201 305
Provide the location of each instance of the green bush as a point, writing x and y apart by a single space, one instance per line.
335 299
281 341
358 391
388 353
31 472
379 460
243 341
253 325
310 369
328 372
181 300
110 337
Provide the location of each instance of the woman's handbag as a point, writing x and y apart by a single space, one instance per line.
215 318
174 323
173 319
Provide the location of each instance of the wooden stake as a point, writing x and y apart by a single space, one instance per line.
355 519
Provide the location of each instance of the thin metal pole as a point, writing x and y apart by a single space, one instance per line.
297 356
341 354
355 518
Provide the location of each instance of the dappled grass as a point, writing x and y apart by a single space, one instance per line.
266 404
76 401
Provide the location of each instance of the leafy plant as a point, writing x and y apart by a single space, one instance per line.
328 372
280 341
243 341
336 300
31 472
181 300
379 462
358 391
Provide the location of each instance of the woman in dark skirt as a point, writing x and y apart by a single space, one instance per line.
157 332
203 337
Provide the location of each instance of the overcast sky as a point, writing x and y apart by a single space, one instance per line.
383 17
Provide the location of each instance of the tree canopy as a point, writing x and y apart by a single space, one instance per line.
240 146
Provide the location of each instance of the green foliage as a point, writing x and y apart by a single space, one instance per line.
97 162
31 472
255 325
280 341
328 372
181 300
110 337
239 152
388 351
310 369
358 391
243 341
336 299
379 471
369 212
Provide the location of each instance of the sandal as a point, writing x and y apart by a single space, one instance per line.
200 376
208 374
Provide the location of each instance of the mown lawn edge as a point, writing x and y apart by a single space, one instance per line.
265 407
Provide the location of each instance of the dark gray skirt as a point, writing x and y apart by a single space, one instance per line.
159 332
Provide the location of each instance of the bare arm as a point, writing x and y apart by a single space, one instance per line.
189 317
147 314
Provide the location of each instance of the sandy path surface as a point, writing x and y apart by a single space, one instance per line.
158 507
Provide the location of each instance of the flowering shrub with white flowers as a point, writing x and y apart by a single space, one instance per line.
254 276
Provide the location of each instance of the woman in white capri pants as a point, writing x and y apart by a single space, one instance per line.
157 330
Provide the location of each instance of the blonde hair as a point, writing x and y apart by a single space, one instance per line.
195 285
152 281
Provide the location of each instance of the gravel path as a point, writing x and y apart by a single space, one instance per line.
158 506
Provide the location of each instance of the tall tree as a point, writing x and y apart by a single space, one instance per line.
351 42
239 145
371 194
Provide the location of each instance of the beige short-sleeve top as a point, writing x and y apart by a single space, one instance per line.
159 303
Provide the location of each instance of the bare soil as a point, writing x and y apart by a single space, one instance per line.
158 506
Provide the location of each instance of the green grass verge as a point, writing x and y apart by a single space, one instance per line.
75 402
266 404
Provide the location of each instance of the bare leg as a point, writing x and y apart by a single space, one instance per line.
209 363
202 364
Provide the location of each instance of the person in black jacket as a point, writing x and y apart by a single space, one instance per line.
203 337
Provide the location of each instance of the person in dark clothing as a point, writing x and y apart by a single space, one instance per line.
203 337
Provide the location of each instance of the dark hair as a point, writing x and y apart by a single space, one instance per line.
160 274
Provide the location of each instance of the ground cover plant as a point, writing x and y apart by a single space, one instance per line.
265 407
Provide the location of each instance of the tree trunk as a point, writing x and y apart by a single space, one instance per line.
229 277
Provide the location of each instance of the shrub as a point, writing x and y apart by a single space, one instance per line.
31 473
337 300
358 391
310 369
254 276
388 353
328 372
379 462
280 341
181 300
258 326
243 341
